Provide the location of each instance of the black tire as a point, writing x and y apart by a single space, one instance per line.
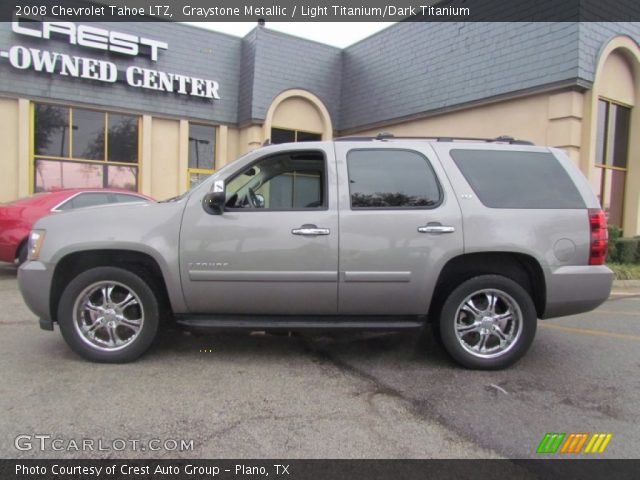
144 304
490 325
23 252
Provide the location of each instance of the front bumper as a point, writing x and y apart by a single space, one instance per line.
34 280
576 289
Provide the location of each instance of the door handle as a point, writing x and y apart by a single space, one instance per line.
310 230
436 228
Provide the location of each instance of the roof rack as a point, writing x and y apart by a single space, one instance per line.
390 136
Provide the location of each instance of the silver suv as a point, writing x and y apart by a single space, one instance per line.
480 238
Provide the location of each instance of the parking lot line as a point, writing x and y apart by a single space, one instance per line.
588 331
617 312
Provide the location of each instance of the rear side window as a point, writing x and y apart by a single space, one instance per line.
124 198
523 180
86 200
387 178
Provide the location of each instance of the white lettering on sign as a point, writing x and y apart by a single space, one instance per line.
172 82
92 37
24 58
44 61
53 62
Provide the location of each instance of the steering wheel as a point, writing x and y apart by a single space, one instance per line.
253 199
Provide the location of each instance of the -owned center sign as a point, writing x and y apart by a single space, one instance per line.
46 61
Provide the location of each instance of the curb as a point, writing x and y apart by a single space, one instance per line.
625 288
626 284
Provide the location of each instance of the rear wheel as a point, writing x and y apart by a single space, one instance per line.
108 314
488 322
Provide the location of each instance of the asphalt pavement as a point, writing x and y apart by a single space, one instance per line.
346 396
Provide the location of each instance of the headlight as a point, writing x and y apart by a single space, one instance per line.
36 239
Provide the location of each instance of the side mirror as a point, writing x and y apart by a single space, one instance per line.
213 202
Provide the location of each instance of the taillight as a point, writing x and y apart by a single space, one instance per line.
599 237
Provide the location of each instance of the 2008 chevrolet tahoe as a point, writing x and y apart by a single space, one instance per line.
481 238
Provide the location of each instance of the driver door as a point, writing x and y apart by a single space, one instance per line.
274 250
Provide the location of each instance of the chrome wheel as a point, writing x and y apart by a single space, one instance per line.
108 316
488 323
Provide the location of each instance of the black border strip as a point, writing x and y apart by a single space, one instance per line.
326 469
324 10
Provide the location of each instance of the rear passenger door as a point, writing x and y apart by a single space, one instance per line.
399 224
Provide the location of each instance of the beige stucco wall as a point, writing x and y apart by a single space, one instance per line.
162 161
297 113
546 119
9 141
298 109
617 80
249 138
233 147
15 139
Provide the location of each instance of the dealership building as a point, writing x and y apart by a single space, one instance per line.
154 107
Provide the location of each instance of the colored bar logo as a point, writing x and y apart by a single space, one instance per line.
574 443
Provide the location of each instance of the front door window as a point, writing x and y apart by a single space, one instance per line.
284 181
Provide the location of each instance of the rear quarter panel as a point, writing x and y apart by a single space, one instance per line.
555 238
559 239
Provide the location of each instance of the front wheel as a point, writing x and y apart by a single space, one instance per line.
488 322
108 314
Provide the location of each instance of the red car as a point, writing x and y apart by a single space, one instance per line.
17 218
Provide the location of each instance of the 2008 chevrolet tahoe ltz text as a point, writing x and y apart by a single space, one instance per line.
480 238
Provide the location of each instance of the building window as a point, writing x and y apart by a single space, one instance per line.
612 147
79 148
284 135
202 152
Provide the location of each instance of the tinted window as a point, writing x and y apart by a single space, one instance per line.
51 130
507 179
51 174
90 200
121 177
283 135
202 146
88 134
60 148
123 138
285 181
601 133
124 198
280 135
621 122
308 137
391 179
293 190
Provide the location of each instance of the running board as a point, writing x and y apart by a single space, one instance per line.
295 323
